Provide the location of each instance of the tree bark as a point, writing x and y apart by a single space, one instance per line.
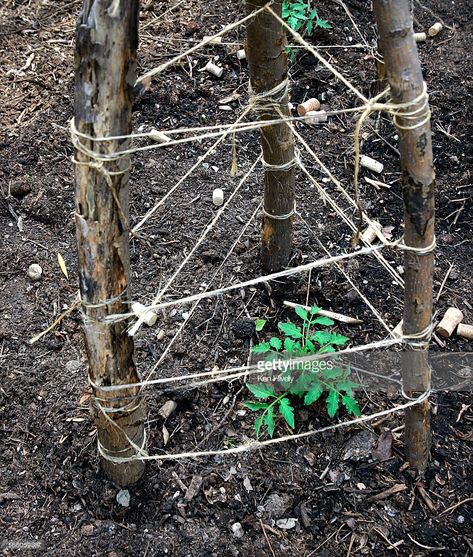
267 59
105 62
404 74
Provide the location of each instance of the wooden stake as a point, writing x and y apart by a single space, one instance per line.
404 73
267 59
106 43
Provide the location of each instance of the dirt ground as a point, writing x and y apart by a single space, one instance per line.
54 499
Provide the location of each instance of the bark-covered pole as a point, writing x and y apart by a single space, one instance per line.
267 59
404 73
105 61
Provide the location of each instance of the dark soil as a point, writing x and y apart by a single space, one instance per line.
53 497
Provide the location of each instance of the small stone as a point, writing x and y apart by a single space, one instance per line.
460 519
35 271
167 409
217 197
73 366
359 446
19 188
286 523
161 335
237 530
87 529
123 498
276 505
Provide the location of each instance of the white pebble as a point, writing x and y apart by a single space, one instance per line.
35 271
123 498
215 70
237 530
371 164
217 197
241 54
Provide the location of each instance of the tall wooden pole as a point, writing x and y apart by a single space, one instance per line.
106 43
404 73
267 59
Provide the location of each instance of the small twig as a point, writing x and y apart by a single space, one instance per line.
266 537
453 507
443 282
425 546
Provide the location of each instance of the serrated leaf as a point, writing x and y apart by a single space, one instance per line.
289 344
257 425
276 343
326 349
261 348
333 373
259 324
287 412
261 391
254 406
62 265
338 340
313 395
323 23
301 312
332 403
290 330
269 421
322 320
321 337
351 405
310 346
346 386
314 309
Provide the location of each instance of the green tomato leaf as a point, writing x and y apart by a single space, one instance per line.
261 348
301 312
289 344
257 425
254 406
334 373
275 343
261 391
259 324
310 346
287 412
314 310
338 340
323 23
290 330
351 405
347 386
313 395
326 349
322 320
309 27
332 403
269 421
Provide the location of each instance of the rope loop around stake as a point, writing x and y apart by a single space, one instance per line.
280 217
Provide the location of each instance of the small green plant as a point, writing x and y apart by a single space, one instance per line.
300 16
304 379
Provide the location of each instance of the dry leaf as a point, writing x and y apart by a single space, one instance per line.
62 264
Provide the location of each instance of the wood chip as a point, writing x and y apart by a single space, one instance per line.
397 488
